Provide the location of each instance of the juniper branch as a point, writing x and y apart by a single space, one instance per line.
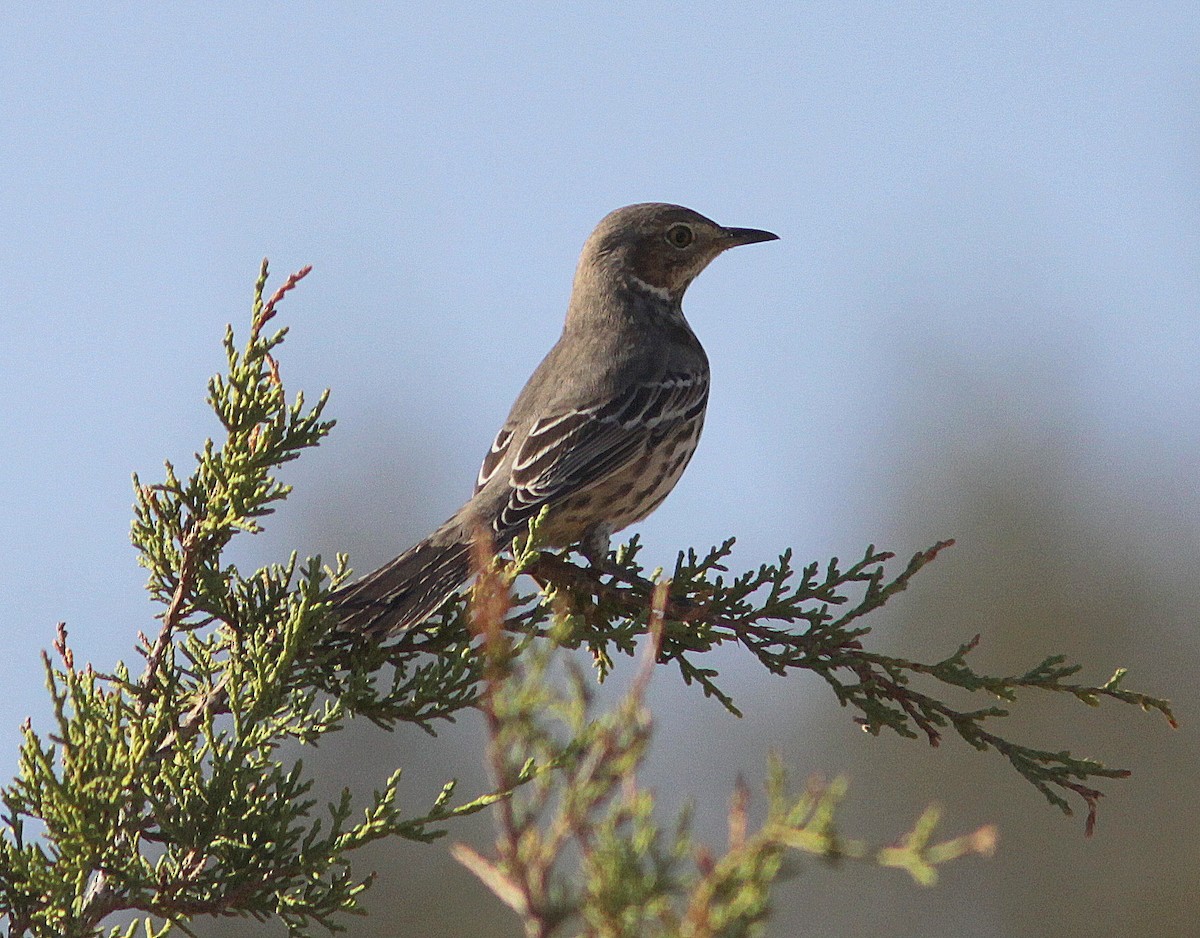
633 877
607 612
168 795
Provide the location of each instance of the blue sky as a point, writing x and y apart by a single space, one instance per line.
986 211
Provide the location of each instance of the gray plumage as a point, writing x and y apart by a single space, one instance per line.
602 430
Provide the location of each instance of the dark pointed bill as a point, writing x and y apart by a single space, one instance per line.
735 237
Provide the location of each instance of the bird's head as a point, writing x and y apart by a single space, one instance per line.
658 248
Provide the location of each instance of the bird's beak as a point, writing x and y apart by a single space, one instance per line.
735 237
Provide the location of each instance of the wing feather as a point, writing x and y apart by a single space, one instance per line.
569 451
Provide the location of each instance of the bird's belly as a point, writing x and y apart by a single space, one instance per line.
629 494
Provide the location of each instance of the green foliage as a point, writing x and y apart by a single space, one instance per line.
167 795
635 878
608 611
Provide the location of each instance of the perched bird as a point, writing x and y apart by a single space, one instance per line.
603 429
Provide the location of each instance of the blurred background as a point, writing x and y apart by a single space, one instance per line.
980 322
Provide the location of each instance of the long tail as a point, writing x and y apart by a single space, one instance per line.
408 590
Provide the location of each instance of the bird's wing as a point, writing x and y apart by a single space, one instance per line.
567 451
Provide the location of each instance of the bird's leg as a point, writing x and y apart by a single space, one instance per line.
594 546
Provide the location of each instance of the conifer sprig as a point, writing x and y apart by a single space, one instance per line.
168 794
581 849
812 620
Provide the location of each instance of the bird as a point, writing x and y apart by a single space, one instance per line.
602 430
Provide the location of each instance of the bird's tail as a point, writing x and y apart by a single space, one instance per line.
405 592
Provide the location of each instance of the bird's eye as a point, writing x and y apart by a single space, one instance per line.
680 236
